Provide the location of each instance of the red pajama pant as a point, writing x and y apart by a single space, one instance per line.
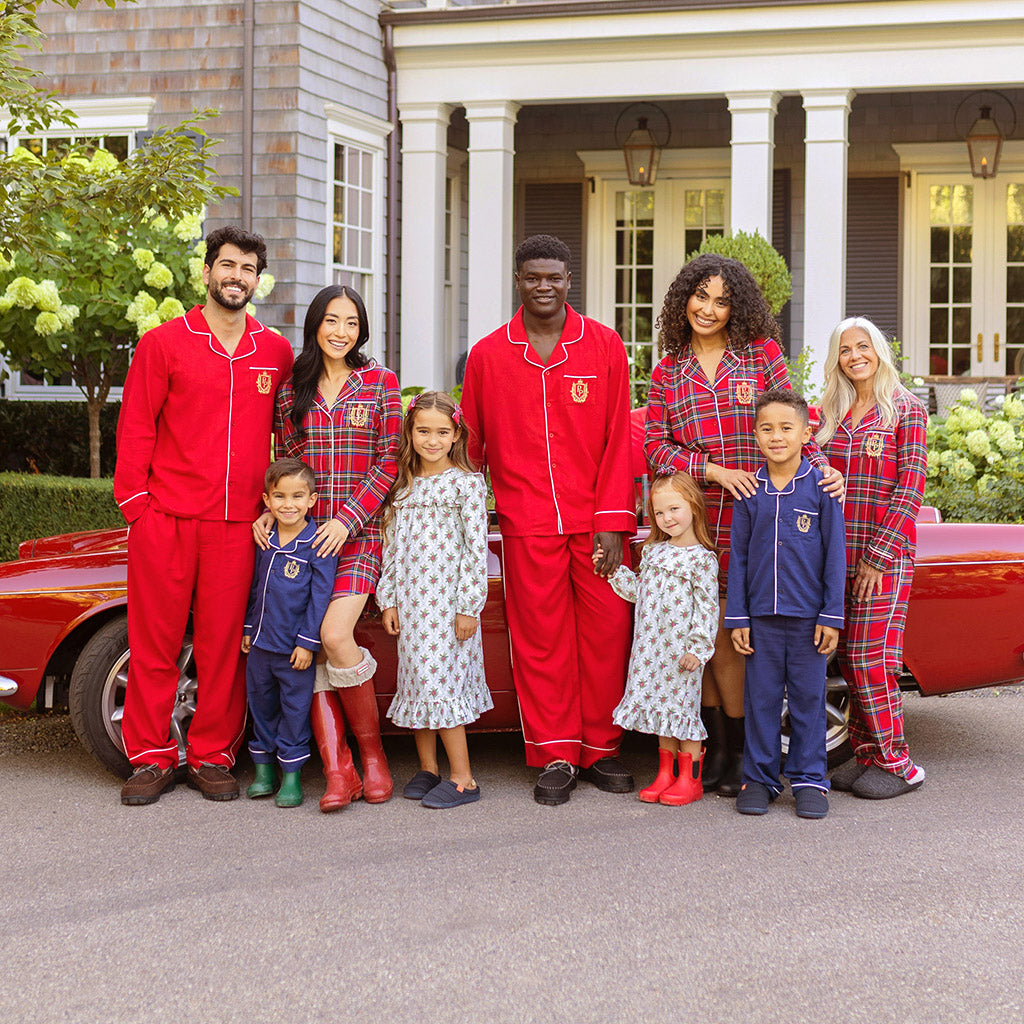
871 657
176 565
570 635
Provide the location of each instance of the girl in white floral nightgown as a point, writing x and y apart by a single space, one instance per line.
676 597
432 589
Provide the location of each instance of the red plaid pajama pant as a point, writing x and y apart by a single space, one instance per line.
871 657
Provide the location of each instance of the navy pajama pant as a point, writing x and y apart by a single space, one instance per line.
279 701
785 664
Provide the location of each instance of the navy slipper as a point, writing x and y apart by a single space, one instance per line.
448 794
420 785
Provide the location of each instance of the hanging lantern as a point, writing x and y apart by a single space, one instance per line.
642 154
984 142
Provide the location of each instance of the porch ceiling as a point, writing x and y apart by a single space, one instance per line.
616 53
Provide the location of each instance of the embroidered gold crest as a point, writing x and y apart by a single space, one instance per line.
358 415
874 445
264 382
291 569
579 391
803 523
745 392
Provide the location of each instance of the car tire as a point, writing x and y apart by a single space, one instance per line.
96 695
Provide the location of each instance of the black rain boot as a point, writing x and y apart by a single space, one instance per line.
732 777
714 746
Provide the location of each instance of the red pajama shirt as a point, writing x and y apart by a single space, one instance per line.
193 443
691 423
556 439
351 447
884 469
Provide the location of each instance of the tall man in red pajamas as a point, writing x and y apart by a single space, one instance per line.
546 400
193 442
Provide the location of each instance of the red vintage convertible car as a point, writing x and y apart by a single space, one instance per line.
64 638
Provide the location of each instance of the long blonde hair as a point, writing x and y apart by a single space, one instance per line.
839 390
408 459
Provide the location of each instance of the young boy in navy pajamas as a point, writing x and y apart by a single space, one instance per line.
291 589
787 574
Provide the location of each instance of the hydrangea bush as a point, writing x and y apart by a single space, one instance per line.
123 275
976 462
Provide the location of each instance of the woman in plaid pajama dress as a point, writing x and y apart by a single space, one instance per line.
874 431
342 414
717 331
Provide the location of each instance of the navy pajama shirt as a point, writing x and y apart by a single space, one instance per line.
786 576
291 589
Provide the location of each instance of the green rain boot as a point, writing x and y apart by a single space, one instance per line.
264 783
290 793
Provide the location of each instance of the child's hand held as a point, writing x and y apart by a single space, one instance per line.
246 644
301 658
689 663
465 626
261 531
741 640
389 619
826 639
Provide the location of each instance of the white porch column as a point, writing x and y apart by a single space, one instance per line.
753 143
424 161
827 112
491 127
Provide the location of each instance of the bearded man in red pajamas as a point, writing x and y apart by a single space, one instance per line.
546 401
193 442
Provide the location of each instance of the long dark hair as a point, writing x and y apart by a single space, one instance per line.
309 363
749 315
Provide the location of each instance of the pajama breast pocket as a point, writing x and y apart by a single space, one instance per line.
582 392
803 526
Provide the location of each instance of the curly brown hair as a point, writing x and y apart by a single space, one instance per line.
749 315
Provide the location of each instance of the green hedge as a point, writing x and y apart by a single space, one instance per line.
53 437
32 505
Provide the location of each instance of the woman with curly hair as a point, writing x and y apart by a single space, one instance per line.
874 431
721 351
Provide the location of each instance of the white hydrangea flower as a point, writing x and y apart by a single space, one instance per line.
48 298
190 226
141 306
103 160
978 443
159 223
963 469
67 315
47 323
143 258
169 309
968 397
147 323
1013 408
6 302
159 276
195 275
266 285
23 291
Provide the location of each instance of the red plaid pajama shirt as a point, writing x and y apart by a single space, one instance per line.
884 468
691 423
351 447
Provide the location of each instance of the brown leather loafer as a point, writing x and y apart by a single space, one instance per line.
146 784
214 781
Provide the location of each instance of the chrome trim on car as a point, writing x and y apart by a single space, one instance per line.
8 687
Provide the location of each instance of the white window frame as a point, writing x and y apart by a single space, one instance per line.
121 115
349 127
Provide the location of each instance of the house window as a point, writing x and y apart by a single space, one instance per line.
634 282
951 219
352 217
355 210
705 215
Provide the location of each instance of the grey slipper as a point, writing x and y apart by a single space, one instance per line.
420 785
847 774
878 784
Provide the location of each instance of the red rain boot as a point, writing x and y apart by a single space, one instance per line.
360 704
687 789
343 784
665 777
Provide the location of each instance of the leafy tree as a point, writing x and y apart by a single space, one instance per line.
74 226
124 273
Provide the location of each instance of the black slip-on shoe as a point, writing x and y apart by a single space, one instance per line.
555 783
608 775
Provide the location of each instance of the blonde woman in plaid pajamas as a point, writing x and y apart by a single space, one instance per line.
717 334
341 413
874 432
